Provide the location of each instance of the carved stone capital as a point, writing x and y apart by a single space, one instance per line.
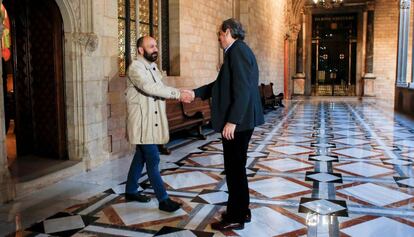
307 9
89 41
294 30
370 6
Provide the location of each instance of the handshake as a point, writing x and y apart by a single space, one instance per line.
186 96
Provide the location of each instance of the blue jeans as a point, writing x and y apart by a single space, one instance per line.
149 155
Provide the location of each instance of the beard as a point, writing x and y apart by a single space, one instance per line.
151 57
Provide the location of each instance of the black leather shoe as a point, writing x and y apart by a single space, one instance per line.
224 225
137 197
247 218
169 205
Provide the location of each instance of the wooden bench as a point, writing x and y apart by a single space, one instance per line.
269 99
198 106
178 119
184 117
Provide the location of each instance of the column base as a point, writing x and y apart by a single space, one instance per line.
403 84
299 84
369 85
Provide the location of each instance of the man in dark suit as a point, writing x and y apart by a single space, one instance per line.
236 110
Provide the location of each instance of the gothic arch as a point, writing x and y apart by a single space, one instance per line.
68 15
296 10
79 41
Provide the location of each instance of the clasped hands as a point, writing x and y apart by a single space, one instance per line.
186 96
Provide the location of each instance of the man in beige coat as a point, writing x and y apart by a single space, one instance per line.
147 123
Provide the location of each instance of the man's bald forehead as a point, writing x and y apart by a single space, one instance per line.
144 40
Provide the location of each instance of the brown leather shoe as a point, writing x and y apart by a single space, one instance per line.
224 225
247 218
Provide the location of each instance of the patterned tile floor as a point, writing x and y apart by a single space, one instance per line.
316 168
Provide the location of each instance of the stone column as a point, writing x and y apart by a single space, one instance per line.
404 28
411 84
308 52
7 187
290 59
299 78
369 77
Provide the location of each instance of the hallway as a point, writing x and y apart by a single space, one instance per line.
319 167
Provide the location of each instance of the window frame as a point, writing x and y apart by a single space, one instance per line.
162 8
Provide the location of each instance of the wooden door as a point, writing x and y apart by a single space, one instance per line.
37 32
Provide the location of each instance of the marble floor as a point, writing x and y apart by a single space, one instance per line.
316 168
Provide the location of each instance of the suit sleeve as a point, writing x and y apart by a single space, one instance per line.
205 91
138 79
240 87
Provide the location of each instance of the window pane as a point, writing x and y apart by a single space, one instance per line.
132 9
144 11
143 30
133 39
121 47
121 8
155 13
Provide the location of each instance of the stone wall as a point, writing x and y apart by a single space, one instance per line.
114 107
266 27
99 68
264 22
198 46
385 49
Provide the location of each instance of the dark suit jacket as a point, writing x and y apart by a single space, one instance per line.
235 94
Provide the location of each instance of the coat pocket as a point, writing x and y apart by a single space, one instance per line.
131 95
135 123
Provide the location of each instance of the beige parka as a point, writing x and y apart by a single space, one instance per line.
145 97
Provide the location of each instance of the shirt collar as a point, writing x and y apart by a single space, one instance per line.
225 50
148 64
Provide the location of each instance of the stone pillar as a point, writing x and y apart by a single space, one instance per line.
7 187
299 78
369 77
289 59
404 28
308 52
411 84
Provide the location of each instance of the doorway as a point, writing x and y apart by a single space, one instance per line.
34 95
334 49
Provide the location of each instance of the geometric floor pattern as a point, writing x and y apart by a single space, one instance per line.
315 168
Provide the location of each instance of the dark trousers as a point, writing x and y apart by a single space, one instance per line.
146 154
235 158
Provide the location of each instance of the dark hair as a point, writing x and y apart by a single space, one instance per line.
236 28
140 41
